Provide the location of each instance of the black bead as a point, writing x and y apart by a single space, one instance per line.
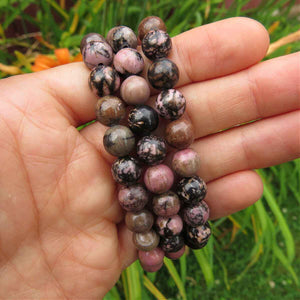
143 119
191 190
172 243
197 237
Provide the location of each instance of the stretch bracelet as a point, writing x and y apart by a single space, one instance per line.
163 202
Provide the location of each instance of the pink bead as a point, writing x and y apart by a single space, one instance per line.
186 162
151 261
152 268
176 255
169 226
159 179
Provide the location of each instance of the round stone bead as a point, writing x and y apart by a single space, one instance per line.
163 74
191 190
151 261
166 204
133 198
104 80
128 61
170 104
135 90
143 119
186 162
196 215
97 52
156 44
90 37
151 150
180 134
150 23
177 254
158 179
146 241
118 140
197 237
126 170
172 243
110 110
140 221
120 37
168 226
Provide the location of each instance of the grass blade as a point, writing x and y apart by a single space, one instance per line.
153 289
133 281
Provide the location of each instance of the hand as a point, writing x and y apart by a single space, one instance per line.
61 234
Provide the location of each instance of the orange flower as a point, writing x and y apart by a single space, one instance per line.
62 56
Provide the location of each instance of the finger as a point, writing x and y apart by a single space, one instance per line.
257 145
232 193
200 54
267 89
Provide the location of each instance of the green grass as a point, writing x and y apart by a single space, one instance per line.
254 253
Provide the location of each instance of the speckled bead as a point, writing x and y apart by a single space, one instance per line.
168 226
120 37
172 243
158 179
104 80
196 215
156 44
140 221
118 140
170 104
163 74
150 23
135 90
151 261
133 198
151 150
177 254
180 134
191 190
97 52
110 110
90 37
186 162
143 119
128 61
166 204
146 241
197 237
126 170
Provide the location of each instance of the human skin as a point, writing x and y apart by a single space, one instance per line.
62 234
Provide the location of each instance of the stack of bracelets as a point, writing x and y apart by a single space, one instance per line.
166 211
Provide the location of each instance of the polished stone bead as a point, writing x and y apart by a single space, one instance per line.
197 237
104 80
118 140
120 37
133 198
172 243
186 162
146 241
158 179
110 110
179 134
177 254
151 150
163 74
170 104
128 61
90 37
191 190
135 90
97 52
143 119
140 221
150 23
196 215
156 44
168 226
151 261
126 170
166 204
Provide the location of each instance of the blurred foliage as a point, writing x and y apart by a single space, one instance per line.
254 254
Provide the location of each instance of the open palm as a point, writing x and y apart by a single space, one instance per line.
61 230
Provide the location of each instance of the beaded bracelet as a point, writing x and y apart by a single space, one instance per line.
166 211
